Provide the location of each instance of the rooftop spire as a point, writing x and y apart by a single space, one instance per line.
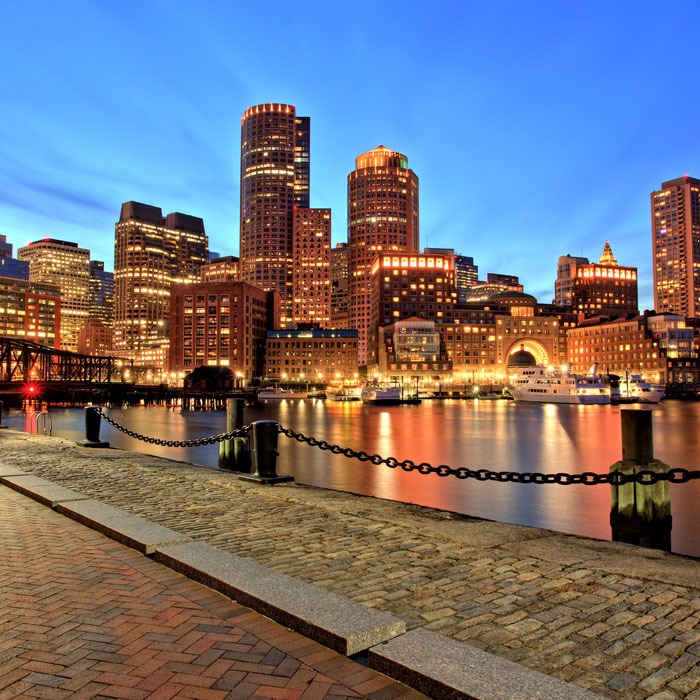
607 258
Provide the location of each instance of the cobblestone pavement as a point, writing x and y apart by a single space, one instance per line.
84 617
618 620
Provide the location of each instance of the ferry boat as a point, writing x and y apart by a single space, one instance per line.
373 392
544 385
634 388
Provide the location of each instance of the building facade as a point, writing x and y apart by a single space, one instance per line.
466 275
605 288
275 168
220 324
340 284
67 266
566 274
101 293
675 232
222 269
30 311
311 279
382 218
317 356
151 252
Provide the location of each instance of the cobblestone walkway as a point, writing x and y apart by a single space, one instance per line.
84 617
620 621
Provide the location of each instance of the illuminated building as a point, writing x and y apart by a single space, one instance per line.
151 252
311 280
466 275
220 324
101 294
66 265
30 311
675 231
382 218
95 337
339 286
566 274
11 267
604 288
660 347
274 179
318 356
494 285
222 269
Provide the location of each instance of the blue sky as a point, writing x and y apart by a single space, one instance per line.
536 128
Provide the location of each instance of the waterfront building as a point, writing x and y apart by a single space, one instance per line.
221 269
312 356
64 264
605 288
675 231
411 352
101 295
275 168
566 274
151 252
30 311
311 279
95 337
220 324
340 284
382 218
660 347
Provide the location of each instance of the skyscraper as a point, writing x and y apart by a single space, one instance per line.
675 231
150 253
275 167
382 217
66 265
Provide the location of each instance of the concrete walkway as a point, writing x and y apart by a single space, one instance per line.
82 616
616 620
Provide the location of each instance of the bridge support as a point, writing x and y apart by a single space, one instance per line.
640 514
93 417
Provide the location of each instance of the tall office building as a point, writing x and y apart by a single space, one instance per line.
66 265
566 274
101 292
311 280
275 175
151 252
382 218
5 248
339 286
675 231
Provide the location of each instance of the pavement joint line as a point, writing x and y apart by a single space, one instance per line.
428 662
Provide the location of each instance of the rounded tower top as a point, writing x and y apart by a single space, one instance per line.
381 156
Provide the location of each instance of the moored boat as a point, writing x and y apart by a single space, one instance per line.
633 387
546 385
278 392
376 393
344 393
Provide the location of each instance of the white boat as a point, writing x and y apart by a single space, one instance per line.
545 385
278 392
344 393
373 392
634 388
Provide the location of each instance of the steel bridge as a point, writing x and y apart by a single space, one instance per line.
25 361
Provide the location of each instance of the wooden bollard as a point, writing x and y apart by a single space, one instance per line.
640 514
234 453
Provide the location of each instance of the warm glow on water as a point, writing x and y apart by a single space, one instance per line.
495 435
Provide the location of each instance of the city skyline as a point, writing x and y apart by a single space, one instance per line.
534 132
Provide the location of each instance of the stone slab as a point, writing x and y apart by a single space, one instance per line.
6 470
41 490
332 620
447 669
131 530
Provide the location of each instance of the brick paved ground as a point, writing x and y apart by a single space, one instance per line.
620 621
84 617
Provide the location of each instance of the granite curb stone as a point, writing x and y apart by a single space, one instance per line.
334 621
46 492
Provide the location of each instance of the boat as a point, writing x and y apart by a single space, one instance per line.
344 393
376 393
546 385
634 388
316 394
278 392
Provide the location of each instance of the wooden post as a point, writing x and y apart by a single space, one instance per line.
640 514
234 453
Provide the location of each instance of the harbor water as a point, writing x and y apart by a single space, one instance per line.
479 434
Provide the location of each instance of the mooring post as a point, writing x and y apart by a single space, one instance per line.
234 453
2 405
93 415
263 453
640 514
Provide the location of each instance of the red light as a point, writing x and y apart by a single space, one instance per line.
32 389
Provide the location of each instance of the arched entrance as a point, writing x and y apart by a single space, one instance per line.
534 347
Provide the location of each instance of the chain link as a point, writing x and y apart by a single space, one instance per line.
645 477
197 442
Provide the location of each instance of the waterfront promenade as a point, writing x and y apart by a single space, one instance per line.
618 621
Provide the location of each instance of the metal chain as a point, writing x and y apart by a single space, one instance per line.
239 432
646 477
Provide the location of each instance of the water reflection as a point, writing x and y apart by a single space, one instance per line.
496 435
